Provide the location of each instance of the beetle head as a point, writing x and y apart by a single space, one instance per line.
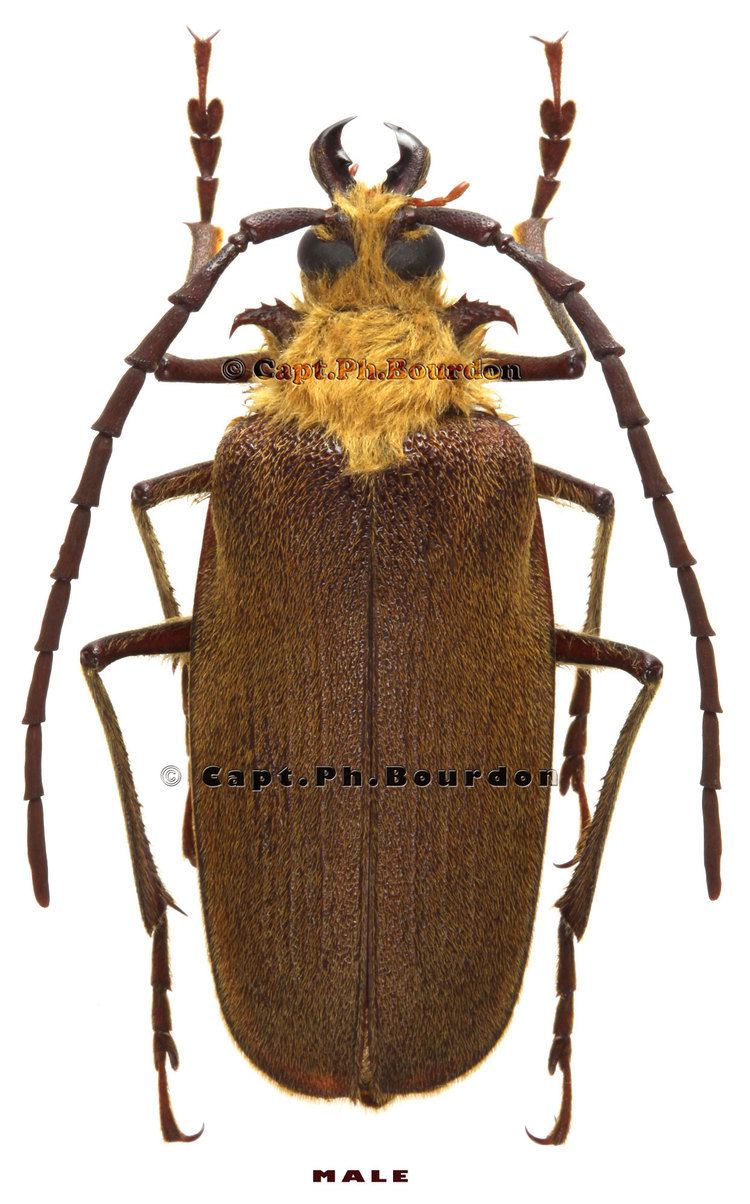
358 212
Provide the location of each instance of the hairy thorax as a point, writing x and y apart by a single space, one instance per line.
384 363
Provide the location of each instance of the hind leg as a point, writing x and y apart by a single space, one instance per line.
170 639
575 905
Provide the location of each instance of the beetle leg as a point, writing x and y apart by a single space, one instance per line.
560 487
164 639
188 833
559 1054
531 234
170 638
587 650
567 365
194 481
219 370
575 904
161 1019
184 482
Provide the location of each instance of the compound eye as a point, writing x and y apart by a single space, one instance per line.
411 258
320 256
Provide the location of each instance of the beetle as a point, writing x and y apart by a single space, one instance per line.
373 591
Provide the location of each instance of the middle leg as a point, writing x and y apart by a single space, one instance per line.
194 482
559 487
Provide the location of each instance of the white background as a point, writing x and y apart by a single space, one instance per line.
651 215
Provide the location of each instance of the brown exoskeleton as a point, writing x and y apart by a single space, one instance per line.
373 567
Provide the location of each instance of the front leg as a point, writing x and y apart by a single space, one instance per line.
566 365
531 234
464 316
280 319
217 370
